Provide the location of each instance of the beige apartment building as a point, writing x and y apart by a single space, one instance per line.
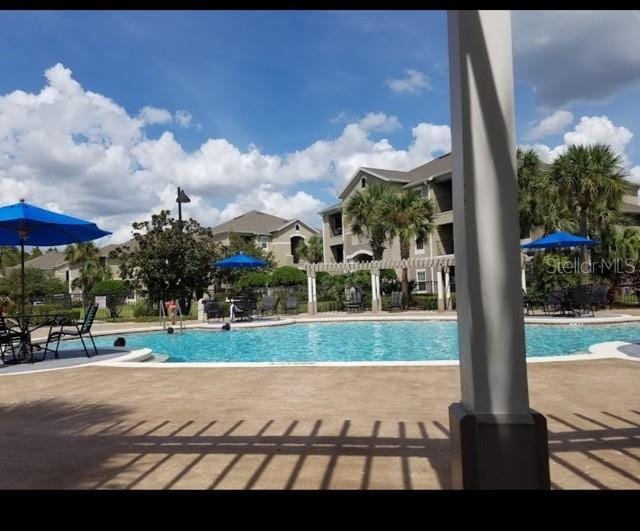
432 180
283 237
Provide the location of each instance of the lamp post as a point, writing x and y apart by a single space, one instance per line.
182 198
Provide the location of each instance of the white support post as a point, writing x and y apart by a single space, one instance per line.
497 441
440 289
313 292
375 291
523 278
447 289
310 308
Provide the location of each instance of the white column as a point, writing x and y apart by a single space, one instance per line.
201 310
376 303
440 289
523 278
486 233
447 289
313 292
310 308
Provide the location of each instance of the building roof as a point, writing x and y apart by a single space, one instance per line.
253 222
106 250
331 208
46 261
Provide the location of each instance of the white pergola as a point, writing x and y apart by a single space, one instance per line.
439 266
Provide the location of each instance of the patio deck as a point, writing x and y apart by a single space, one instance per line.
295 427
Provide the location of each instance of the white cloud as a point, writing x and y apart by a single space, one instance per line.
379 122
589 130
155 115
414 82
576 55
81 152
550 125
183 118
634 174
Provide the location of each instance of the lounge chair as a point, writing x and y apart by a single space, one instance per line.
268 305
212 310
396 300
599 296
81 329
554 302
291 304
8 338
580 300
354 303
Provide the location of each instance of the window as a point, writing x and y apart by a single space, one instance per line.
421 281
264 242
424 192
419 245
363 182
297 227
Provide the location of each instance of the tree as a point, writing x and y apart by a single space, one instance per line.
9 256
288 276
365 211
116 292
407 216
87 255
35 252
37 282
169 263
591 183
312 250
537 197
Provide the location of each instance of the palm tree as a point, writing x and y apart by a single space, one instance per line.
85 254
591 183
312 250
365 208
408 216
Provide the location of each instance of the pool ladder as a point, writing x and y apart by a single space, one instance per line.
163 315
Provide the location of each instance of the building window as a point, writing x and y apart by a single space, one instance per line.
424 192
419 245
363 182
421 281
264 242
297 227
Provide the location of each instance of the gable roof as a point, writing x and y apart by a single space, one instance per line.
292 221
46 261
106 250
253 222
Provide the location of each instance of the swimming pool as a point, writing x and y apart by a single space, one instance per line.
357 341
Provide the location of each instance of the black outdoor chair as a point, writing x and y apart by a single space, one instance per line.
354 302
8 339
529 303
291 304
599 296
212 310
267 306
81 329
396 300
580 300
554 302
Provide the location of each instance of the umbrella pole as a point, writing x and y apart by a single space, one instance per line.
22 269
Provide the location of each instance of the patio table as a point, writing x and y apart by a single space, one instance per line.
25 325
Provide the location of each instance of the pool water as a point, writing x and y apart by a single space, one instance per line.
361 341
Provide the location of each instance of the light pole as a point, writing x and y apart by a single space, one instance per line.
182 198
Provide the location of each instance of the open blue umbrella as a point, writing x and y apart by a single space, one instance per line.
24 224
559 239
240 261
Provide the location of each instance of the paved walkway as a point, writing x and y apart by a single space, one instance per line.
295 427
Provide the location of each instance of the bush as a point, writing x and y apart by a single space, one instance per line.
116 292
144 309
51 309
254 279
288 276
425 302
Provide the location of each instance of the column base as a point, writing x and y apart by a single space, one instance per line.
498 451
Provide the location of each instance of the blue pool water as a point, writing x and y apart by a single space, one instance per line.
358 341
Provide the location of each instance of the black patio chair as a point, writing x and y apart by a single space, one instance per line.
396 300
212 310
580 300
242 311
80 329
8 339
267 306
599 296
354 303
554 302
529 303
291 304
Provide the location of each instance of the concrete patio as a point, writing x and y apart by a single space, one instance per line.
295 427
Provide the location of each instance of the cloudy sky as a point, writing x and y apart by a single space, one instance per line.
104 114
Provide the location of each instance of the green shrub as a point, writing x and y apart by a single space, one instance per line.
144 309
116 292
51 309
425 302
254 279
288 276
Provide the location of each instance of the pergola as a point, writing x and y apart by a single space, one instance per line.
439 266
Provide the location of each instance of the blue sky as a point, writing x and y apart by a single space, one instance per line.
254 88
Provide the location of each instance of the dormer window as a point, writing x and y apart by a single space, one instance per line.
363 182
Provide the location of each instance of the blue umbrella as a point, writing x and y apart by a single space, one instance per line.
240 261
24 224
559 239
